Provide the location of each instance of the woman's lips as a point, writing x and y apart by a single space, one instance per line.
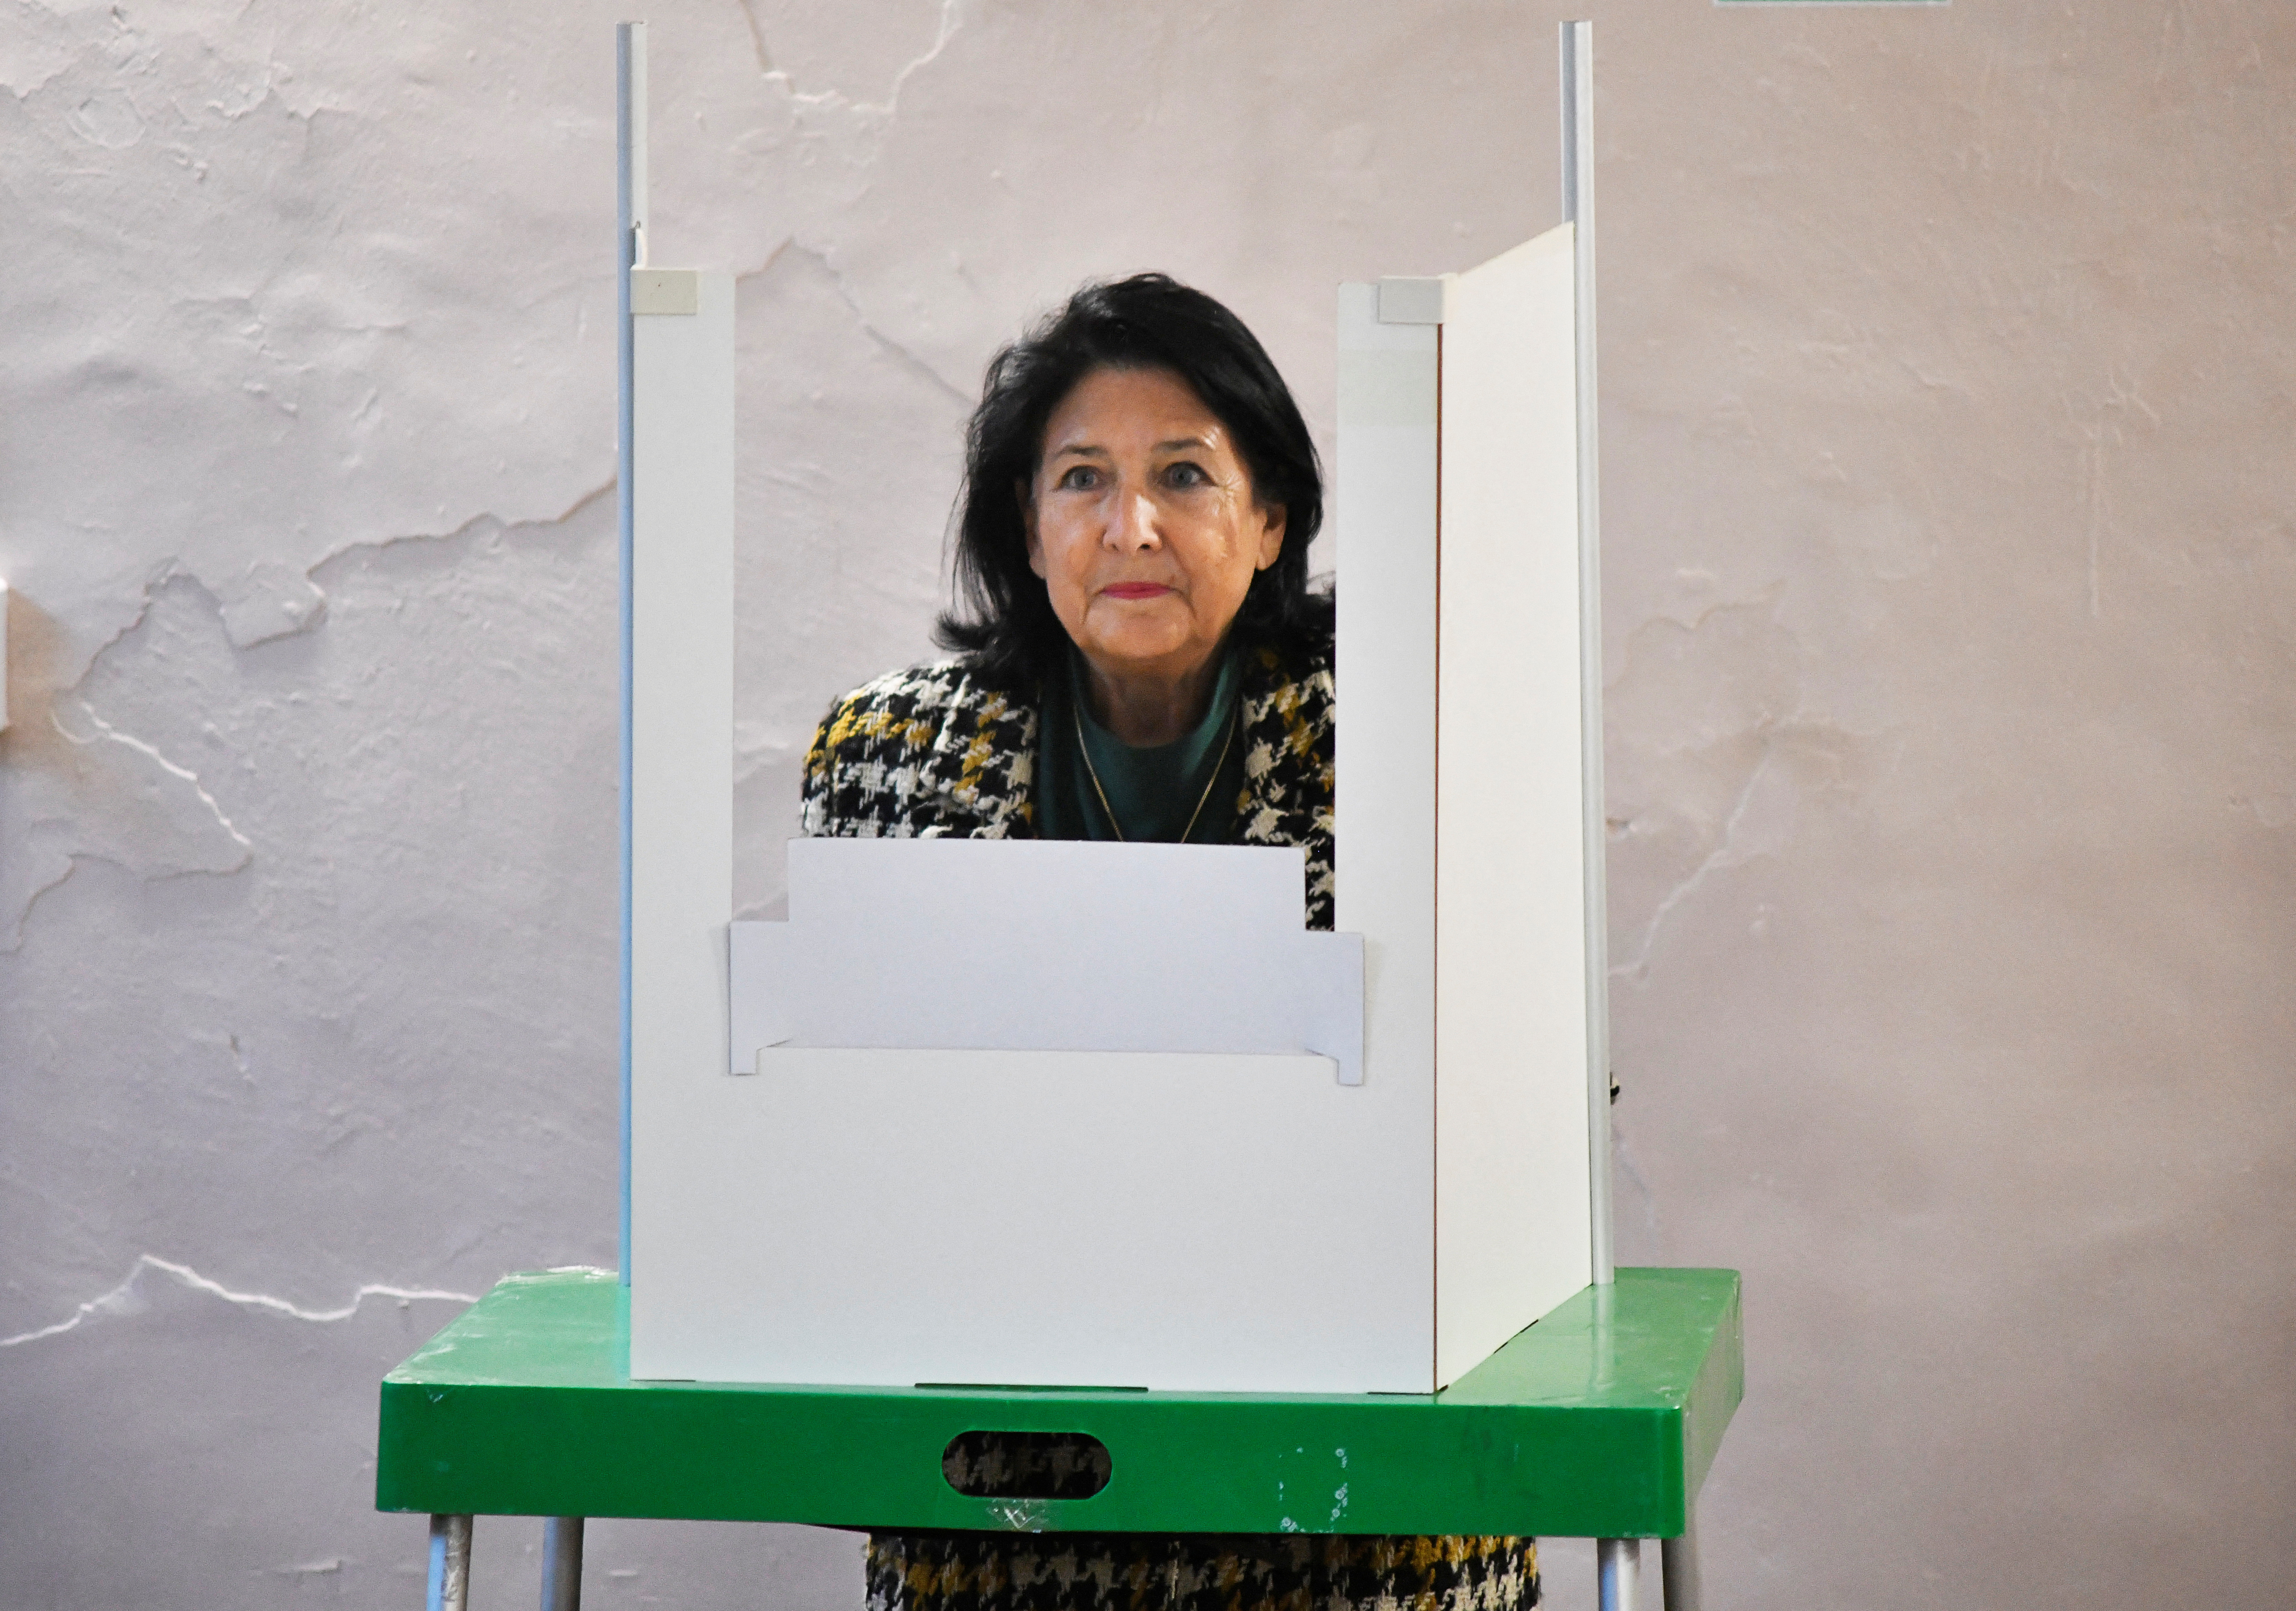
1134 590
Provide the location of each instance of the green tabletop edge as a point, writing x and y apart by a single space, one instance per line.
1601 1420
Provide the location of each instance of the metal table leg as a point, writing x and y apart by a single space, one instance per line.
561 1564
450 1564
1680 1557
1618 1566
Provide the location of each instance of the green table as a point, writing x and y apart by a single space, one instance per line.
1599 1421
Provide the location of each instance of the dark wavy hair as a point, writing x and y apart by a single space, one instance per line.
1002 620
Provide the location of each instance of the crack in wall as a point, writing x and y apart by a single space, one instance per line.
39 892
876 115
944 31
766 68
77 859
105 729
126 1299
2092 436
910 361
151 816
1719 857
1626 1170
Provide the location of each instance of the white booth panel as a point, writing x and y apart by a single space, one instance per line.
1512 1205
1044 1113
1385 497
681 690
1190 1222
1025 944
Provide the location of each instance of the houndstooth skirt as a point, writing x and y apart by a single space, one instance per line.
1198 1572
1171 1572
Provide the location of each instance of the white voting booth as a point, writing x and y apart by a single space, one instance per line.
1108 1115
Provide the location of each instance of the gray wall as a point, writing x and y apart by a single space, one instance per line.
1951 570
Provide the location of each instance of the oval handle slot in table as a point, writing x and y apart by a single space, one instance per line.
987 1463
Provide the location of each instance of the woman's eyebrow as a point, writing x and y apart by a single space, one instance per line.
1092 450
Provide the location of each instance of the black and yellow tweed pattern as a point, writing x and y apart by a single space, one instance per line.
934 751
1171 1572
1198 1572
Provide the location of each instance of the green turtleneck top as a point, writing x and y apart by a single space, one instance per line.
1144 794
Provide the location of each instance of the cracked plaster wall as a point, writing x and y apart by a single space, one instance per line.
1950 577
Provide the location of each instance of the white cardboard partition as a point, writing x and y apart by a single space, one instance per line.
970 944
1109 1115
1117 1219
681 692
680 687
1460 856
1511 1206
1039 1113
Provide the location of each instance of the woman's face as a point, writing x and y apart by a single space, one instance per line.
1142 523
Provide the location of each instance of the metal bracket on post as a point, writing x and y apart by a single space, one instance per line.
630 253
1579 211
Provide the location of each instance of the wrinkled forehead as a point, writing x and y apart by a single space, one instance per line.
1112 412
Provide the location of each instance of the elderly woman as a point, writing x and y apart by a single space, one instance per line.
1139 657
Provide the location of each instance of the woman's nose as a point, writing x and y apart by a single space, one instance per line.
1134 529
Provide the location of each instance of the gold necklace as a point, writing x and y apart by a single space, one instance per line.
1076 716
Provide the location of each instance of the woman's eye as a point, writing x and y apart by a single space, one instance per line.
1187 475
1079 478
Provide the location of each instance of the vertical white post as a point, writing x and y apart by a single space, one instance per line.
629 225
1578 210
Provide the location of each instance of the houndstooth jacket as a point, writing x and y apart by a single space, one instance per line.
934 751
